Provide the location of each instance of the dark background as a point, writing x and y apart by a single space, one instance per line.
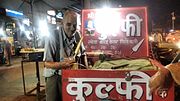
159 11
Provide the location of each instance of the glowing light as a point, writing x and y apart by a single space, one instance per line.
51 12
53 20
107 22
171 30
174 38
2 32
26 21
49 19
78 22
22 28
14 12
178 44
27 33
57 27
151 38
43 28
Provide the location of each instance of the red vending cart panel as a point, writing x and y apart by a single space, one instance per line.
121 31
109 85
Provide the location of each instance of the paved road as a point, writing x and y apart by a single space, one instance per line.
11 86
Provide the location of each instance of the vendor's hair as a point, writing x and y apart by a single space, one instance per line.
69 13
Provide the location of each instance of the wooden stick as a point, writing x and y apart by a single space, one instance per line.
78 47
75 65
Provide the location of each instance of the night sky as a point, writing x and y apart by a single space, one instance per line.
159 11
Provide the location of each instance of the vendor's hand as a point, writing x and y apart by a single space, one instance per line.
160 80
70 59
68 62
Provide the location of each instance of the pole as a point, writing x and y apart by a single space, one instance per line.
32 16
173 18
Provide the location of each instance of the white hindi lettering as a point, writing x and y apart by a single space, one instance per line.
132 25
79 91
99 89
130 87
81 84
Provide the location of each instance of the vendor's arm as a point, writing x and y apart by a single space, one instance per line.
67 63
52 57
160 80
163 78
175 70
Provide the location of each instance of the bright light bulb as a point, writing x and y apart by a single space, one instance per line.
1 31
107 22
22 28
43 28
178 44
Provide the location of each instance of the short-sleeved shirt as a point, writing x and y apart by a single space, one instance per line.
58 46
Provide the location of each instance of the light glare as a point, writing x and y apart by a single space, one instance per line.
178 44
22 28
51 12
2 32
26 21
43 28
107 22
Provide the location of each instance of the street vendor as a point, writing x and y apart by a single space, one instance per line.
163 78
59 54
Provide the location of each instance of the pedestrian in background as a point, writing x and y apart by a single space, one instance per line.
157 37
8 52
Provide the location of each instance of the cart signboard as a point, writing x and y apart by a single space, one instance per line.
121 31
110 85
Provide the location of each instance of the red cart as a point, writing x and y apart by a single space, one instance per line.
122 33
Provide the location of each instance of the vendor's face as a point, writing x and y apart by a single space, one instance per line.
69 24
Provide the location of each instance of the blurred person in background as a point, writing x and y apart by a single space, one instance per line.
8 52
157 37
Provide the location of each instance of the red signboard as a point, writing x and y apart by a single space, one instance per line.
110 85
121 31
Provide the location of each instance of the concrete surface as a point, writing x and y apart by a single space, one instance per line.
11 83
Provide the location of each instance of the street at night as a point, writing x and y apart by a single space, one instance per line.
89 50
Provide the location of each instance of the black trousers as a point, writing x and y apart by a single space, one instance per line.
54 88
